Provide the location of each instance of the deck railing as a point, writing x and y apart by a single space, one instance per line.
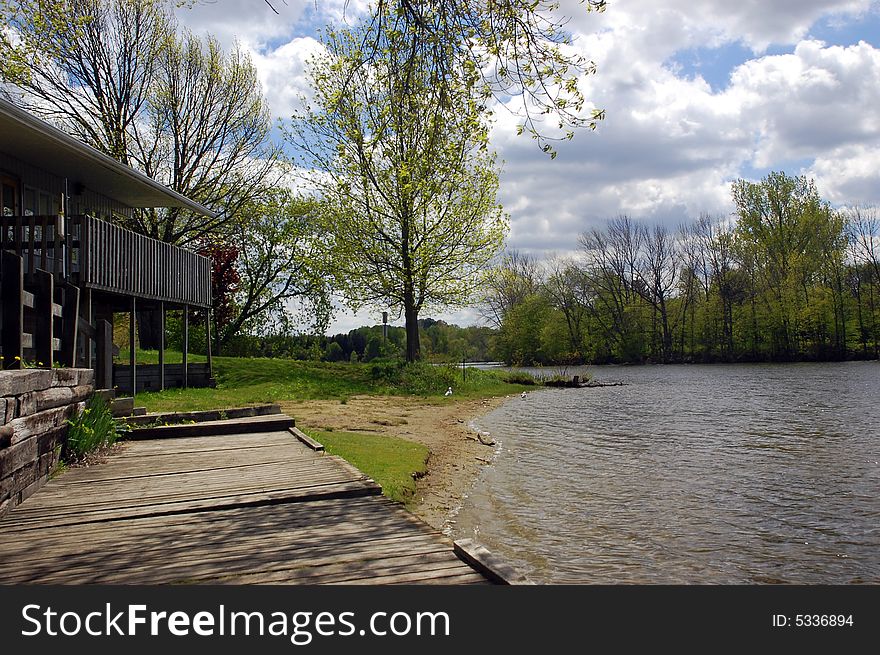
106 257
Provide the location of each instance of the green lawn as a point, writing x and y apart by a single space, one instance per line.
244 381
390 461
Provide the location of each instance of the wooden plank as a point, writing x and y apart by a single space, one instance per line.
307 440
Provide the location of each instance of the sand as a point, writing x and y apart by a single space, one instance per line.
457 453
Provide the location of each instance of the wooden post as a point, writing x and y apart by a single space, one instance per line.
69 324
185 345
132 324
104 355
208 342
86 309
12 275
44 321
161 345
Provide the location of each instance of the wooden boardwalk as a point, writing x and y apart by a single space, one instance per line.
256 508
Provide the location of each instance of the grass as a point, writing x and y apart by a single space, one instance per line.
390 461
243 381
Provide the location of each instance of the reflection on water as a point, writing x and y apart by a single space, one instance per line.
688 474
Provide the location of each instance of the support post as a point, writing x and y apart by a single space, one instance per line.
69 325
132 324
185 346
43 317
85 306
12 275
208 342
104 355
162 345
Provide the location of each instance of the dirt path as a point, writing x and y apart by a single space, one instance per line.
456 453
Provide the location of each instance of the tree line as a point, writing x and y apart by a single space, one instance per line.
786 278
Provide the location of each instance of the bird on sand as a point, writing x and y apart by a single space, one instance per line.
449 391
523 395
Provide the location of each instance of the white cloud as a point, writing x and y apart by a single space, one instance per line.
283 74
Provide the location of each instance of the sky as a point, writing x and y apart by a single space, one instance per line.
696 95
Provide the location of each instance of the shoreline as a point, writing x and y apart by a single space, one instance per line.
456 454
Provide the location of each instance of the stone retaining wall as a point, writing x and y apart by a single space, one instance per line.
34 407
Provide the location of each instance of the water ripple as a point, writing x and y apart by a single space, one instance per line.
689 474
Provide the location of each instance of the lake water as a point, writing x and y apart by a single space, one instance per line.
733 474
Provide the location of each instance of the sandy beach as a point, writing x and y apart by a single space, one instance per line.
456 452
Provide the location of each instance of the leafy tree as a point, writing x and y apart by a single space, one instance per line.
784 227
404 167
505 48
279 262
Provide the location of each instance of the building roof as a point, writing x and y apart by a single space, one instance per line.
36 142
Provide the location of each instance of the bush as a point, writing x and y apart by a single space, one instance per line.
520 377
93 429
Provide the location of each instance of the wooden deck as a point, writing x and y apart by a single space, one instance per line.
257 508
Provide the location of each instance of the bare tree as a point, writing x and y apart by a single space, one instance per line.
207 137
568 287
86 65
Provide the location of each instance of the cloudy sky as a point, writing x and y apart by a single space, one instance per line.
696 94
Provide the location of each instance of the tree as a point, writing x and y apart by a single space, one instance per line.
279 261
505 48
87 65
786 231
224 283
568 289
206 137
514 278
404 166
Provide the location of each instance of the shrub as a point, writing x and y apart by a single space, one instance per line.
520 377
93 429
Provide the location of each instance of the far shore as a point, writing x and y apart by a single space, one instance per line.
456 453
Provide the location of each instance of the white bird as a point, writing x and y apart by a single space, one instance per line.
523 395
449 391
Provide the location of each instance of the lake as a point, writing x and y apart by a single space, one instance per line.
703 474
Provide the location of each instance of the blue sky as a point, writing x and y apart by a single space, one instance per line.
697 95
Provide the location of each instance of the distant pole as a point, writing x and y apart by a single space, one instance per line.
384 327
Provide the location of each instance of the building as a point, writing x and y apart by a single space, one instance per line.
67 268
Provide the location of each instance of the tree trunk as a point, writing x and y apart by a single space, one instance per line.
411 314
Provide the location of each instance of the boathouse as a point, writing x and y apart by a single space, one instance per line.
68 267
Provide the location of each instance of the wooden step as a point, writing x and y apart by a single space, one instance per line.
269 423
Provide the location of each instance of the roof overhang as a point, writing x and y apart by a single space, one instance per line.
35 142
